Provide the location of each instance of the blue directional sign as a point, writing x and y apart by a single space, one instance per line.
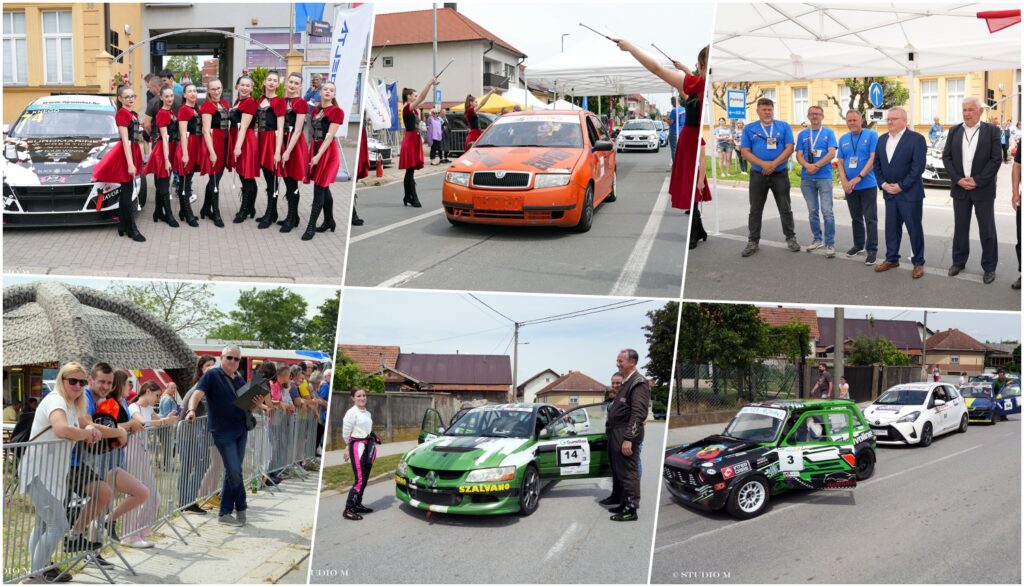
876 95
437 97
736 100
159 47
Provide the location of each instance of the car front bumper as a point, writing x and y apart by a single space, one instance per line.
560 206
58 205
473 499
893 433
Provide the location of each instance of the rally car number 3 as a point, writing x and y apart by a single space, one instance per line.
791 458
573 456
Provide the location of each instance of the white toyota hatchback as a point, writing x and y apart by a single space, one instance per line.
915 413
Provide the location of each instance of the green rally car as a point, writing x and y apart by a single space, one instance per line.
494 459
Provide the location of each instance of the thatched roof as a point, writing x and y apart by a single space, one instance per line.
51 323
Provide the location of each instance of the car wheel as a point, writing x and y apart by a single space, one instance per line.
963 423
657 149
994 418
865 464
926 434
587 212
529 491
749 498
615 184
453 221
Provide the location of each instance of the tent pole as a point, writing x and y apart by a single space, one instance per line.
910 98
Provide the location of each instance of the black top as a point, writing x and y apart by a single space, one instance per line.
289 114
133 128
172 129
473 120
265 118
195 125
410 120
693 107
220 118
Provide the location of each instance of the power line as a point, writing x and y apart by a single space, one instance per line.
479 309
595 311
456 336
622 303
491 308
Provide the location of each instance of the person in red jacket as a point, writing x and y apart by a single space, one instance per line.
123 162
189 129
165 157
327 118
410 156
295 159
245 157
214 113
270 111
472 119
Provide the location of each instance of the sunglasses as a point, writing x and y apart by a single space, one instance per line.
74 381
230 358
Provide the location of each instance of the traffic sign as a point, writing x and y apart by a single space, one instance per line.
876 95
159 47
736 102
437 98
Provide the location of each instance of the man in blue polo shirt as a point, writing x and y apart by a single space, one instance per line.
676 118
856 158
815 149
767 145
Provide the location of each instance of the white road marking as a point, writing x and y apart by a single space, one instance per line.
400 279
563 541
391 227
633 269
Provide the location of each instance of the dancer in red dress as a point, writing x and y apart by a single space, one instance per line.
270 111
295 159
123 162
165 157
189 127
687 171
214 113
245 157
472 119
410 156
327 118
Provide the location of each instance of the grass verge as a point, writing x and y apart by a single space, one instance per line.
340 477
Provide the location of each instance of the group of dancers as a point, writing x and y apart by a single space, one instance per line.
256 134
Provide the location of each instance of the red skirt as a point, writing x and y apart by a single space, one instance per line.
196 149
684 170
297 165
268 140
474 134
155 165
411 155
248 165
326 171
363 168
114 169
206 167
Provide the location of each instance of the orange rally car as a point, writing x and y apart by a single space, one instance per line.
545 168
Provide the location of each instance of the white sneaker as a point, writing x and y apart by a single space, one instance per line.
814 246
830 251
139 543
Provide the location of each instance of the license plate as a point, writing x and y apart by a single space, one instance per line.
881 433
499 203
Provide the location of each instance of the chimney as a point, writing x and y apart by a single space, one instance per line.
454 6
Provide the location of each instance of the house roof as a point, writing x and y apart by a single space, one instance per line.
1003 348
954 340
55 323
576 382
417 27
457 369
371 357
903 334
522 386
783 316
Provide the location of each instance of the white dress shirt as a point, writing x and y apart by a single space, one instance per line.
890 145
969 146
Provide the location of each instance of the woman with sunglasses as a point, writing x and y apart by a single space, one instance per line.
214 112
166 156
327 119
123 163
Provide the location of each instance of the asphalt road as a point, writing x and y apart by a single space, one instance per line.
569 539
635 247
949 513
715 270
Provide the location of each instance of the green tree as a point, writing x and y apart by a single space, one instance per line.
185 65
258 75
875 350
347 376
323 327
895 95
660 335
276 317
186 307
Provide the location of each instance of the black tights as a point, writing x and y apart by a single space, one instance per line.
163 187
410 183
124 205
213 185
291 187
270 178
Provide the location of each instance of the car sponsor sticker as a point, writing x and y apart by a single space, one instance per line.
791 458
881 433
552 118
772 412
863 437
485 488
573 456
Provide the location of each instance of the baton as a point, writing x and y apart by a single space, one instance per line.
598 32
444 68
374 60
662 52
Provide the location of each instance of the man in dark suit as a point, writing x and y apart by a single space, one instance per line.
899 163
625 428
972 157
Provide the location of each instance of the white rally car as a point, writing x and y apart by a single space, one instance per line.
915 413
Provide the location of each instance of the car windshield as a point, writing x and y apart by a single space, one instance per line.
65 122
533 131
1010 390
976 391
639 125
756 424
504 423
903 397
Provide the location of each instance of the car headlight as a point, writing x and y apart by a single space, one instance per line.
495 474
911 417
457 177
552 180
402 469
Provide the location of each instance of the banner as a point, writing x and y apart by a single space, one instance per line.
376 108
307 11
351 36
396 120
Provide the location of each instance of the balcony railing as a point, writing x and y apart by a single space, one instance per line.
493 80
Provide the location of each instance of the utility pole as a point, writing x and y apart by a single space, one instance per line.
924 344
434 69
840 348
515 364
291 28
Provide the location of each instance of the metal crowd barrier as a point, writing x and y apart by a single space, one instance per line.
453 142
45 497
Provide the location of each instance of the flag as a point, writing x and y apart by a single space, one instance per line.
307 11
585 103
396 120
998 20
351 34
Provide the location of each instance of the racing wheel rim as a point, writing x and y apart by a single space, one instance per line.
751 496
531 489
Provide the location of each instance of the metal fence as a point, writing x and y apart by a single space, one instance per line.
453 143
48 500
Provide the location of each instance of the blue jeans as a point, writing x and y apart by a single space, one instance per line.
672 145
818 194
231 447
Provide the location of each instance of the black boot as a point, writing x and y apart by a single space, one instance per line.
215 210
356 220
328 212
205 210
271 216
163 202
243 209
291 220
168 212
185 212
318 204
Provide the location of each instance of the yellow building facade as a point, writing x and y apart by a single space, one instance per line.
35 40
952 362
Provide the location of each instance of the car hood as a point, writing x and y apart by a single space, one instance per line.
721 450
888 413
641 133
979 403
53 160
532 159
464 453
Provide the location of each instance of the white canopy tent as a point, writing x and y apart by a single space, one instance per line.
525 98
597 67
765 42
562 105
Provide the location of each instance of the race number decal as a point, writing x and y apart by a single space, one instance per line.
791 458
573 456
1007 404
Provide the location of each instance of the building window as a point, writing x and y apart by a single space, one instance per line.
844 101
769 93
954 100
574 400
929 100
15 55
954 359
58 60
800 105
510 72
388 61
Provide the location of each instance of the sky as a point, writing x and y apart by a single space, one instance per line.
536 28
450 322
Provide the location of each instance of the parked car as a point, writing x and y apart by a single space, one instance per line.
935 175
458 128
638 135
1009 397
49 154
533 169
495 459
915 413
378 149
981 403
772 447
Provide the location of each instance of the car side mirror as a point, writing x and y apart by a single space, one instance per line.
940 402
7 129
544 433
440 429
615 133
602 146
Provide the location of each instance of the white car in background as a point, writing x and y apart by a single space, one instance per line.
915 413
638 135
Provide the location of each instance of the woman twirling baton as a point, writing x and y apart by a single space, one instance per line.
123 163
295 159
214 112
327 117
270 126
411 156
472 119
191 149
245 155
165 157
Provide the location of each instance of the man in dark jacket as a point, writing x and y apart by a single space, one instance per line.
625 427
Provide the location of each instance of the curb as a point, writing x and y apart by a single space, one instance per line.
373 182
281 575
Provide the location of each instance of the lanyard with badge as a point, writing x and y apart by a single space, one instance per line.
852 161
815 153
770 140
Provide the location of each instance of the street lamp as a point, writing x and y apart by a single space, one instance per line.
564 35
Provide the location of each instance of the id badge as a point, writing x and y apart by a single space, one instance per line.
772 143
817 153
852 162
